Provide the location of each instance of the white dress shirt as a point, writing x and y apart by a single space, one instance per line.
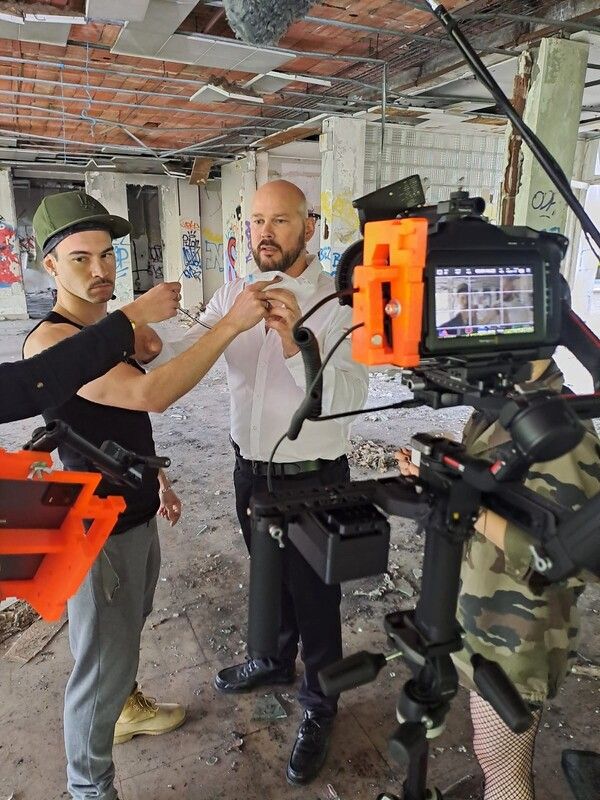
266 388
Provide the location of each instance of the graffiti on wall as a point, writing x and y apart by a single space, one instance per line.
10 269
27 244
248 241
155 261
213 250
329 259
546 206
122 257
190 247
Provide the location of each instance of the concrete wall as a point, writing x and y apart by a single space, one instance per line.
12 293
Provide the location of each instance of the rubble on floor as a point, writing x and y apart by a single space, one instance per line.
371 454
15 618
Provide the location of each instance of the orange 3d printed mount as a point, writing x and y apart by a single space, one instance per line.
52 525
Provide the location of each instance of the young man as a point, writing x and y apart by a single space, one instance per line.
106 616
266 379
508 613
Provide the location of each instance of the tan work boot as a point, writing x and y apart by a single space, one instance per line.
143 715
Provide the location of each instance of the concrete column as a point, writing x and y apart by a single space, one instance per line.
12 292
343 159
238 182
190 245
552 110
211 222
110 188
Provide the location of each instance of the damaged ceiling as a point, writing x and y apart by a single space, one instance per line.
149 85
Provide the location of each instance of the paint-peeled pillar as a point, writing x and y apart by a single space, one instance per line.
211 220
12 291
111 190
553 111
342 181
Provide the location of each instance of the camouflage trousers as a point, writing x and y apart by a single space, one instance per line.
533 636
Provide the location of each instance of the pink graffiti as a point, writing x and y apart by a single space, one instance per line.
10 271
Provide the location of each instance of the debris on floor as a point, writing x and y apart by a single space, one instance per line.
16 618
367 453
268 709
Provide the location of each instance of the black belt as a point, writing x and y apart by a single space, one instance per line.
285 469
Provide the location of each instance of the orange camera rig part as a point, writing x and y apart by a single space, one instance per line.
64 545
389 300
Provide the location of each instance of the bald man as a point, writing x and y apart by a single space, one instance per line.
266 381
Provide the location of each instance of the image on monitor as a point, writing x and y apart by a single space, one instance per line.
483 301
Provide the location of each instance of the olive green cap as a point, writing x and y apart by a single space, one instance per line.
64 211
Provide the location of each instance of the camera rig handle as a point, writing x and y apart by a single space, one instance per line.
118 464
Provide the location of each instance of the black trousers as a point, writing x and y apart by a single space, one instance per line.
310 610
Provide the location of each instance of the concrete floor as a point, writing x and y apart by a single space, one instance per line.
199 625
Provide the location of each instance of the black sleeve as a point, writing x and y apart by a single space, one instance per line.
52 377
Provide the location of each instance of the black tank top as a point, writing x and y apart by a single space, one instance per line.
98 423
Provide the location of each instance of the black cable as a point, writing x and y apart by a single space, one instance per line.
401 404
270 464
312 386
330 354
195 319
317 306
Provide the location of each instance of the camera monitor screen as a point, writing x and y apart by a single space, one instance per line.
483 301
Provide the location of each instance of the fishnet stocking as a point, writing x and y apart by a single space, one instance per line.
506 758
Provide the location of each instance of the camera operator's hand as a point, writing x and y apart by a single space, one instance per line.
284 312
405 465
155 305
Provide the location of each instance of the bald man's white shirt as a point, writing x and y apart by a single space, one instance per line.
266 388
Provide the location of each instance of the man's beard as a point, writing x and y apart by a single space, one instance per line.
286 261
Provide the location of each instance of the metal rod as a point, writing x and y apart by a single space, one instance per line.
169 109
560 24
143 76
112 123
383 115
120 90
417 37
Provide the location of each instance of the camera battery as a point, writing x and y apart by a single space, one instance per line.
344 542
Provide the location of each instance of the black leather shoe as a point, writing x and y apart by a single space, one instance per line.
310 748
246 676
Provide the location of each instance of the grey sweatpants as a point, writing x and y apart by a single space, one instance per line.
106 618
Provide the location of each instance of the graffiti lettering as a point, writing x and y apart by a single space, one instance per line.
192 261
122 257
326 255
9 259
213 255
544 202
155 261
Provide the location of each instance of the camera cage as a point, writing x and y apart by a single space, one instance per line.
53 525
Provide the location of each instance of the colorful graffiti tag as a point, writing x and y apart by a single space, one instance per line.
190 246
10 268
230 258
